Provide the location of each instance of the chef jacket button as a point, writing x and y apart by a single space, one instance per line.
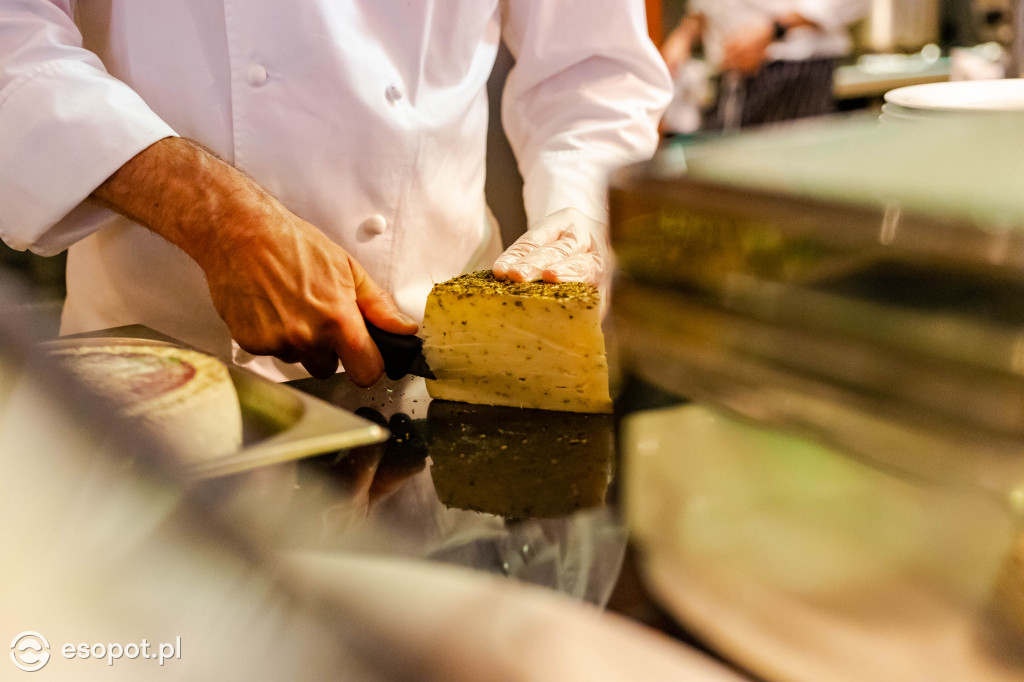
256 75
374 225
392 94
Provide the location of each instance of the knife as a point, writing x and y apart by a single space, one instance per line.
402 353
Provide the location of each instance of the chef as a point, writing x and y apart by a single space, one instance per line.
774 60
257 177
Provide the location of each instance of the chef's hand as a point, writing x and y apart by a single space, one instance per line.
566 246
746 49
283 288
295 294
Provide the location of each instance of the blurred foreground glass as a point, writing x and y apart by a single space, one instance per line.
843 302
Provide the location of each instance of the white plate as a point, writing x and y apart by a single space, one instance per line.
802 565
986 95
893 113
896 110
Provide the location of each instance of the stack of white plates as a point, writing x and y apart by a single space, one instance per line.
931 100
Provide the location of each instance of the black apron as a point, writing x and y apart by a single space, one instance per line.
780 91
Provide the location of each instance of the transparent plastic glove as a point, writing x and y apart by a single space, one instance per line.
566 246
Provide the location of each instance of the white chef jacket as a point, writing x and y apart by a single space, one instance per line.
367 118
830 39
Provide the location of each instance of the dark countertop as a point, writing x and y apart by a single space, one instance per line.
530 494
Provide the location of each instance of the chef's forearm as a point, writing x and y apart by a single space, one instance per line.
180 190
679 44
690 30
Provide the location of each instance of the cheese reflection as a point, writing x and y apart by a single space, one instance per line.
519 463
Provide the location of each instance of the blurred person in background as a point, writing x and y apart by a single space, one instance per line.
770 60
259 180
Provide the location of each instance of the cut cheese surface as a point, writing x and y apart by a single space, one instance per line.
184 398
530 344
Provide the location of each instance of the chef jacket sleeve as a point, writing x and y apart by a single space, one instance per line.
584 97
833 15
65 127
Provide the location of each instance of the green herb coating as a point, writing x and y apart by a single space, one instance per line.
483 283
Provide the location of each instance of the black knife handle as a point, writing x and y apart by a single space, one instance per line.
398 350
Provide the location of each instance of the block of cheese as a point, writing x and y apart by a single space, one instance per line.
530 344
183 398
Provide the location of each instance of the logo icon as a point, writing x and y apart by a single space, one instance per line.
28 651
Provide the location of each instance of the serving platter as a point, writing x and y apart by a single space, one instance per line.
1005 94
279 422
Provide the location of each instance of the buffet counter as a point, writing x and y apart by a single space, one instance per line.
872 79
519 493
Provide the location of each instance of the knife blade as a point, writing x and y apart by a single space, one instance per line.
402 353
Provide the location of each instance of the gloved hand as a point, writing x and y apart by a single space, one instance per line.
566 246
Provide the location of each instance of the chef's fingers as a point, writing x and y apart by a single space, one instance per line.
528 242
561 236
322 365
514 255
517 262
536 250
378 307
531 267
358 353
287 355
586 267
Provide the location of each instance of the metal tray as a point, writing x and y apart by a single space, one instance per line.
842 280
805 202
279 423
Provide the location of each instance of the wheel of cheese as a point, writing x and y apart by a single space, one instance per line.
184 398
